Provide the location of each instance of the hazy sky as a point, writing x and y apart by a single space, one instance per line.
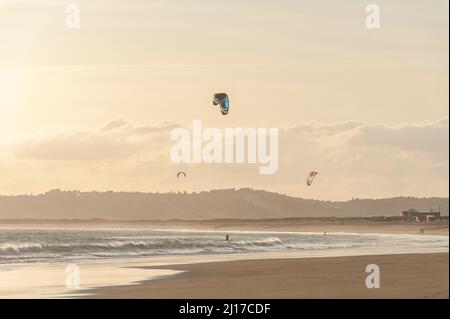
367 108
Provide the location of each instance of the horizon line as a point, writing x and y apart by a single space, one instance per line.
185 192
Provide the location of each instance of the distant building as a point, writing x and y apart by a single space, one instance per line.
421 216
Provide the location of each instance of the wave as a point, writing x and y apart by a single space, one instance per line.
32 245
14 248
173 244
260 242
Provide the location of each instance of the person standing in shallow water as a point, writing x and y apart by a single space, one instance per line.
227 237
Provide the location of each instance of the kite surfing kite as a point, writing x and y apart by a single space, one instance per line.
311 177
181 174
223 101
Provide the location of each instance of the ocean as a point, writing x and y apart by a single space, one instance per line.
23 246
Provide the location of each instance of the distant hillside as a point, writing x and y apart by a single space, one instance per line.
242 203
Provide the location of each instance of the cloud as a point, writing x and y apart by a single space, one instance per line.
353 159
112 125
427 136
431 136
325 128
367 160
117 139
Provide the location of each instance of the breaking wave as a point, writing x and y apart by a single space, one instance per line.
48 245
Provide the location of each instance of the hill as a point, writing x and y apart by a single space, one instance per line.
227 203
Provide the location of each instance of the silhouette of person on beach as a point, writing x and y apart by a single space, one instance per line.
227 237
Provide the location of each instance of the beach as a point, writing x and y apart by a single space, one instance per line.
269 259
402 276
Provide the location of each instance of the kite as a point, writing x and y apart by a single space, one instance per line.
223 101
310 178
181 173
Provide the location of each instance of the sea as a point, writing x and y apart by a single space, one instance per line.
25 246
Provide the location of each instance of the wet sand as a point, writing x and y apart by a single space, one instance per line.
402 276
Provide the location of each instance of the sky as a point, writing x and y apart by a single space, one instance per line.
92 108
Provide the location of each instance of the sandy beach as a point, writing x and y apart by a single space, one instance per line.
402 276
414 271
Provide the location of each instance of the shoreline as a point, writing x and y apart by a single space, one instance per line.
135 276
403 276
134 272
